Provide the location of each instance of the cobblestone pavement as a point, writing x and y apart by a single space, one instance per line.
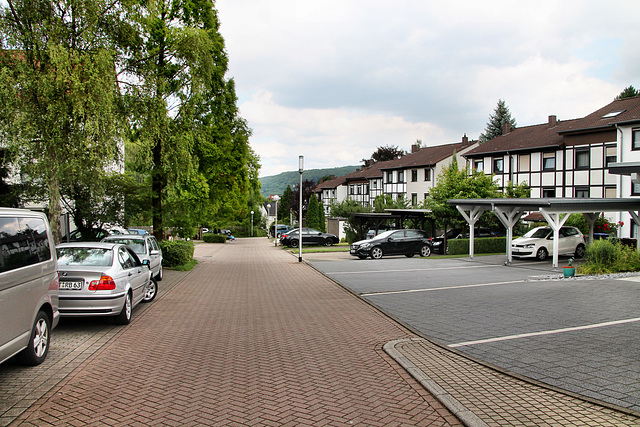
249 337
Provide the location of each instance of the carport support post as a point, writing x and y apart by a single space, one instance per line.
591 219
636 219
556 222
472 218
508 218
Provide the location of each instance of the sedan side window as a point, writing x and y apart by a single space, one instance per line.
125 259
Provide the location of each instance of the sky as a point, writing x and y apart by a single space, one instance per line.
333 80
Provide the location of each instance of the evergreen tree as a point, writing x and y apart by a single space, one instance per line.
628 92
495 126
284 207
323 220
312 217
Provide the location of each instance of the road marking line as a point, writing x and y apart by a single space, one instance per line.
550 332
408 291
407 270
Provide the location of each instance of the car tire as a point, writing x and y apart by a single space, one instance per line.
38 347
580 251
151 291
425 251
542 254
293 243
376 252
362 256
328 242
124 318
409 255
160 275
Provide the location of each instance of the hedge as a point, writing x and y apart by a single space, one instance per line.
176 252
214 238
484 245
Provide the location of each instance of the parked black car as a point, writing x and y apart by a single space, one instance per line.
394 242
310 236
459 233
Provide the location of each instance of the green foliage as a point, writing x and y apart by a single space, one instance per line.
313 216
176 252
354 229
387 152
277 184
283 206
519 191
483 245
628 92
382 202
579 221
214 238
500 116
323 219
606 256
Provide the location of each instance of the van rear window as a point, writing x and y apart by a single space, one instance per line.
23 241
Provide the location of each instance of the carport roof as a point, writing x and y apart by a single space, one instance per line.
554 204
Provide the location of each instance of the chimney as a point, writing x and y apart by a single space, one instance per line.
506 128
465 140
414 148
553 121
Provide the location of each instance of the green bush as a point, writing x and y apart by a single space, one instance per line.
483 245
214 238
176 252
606 256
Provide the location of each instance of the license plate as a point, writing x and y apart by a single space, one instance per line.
71 286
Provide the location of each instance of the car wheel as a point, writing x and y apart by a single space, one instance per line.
362 256
151 291
159 276
542 254
124 318
580 251
38 347
425 251
293 243
376 253
409 255
328 242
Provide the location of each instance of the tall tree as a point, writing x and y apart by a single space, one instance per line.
628 92
501 115
58 94
188 135
285 206
312 217
387 152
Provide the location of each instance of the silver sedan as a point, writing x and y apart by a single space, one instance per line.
102 279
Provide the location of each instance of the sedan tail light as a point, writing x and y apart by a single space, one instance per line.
106 283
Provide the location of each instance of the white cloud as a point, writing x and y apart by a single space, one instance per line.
353 75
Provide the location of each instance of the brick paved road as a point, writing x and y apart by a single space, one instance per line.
249 337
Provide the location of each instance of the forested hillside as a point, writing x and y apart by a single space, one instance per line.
276 184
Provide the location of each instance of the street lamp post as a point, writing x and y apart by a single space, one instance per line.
300 169
268 224
251 223
275 199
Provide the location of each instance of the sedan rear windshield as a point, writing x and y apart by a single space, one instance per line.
85 256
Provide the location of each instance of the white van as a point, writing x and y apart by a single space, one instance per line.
28 285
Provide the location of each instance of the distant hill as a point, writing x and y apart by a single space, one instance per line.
276 184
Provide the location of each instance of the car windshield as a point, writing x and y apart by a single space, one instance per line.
136 244
101 257
538 233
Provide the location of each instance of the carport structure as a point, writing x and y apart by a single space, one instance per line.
399 216
555 211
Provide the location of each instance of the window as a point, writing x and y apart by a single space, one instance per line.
498 165
549 161
548 193
613 114
426 196
635 139
389 177
414 199
351 189
414 175
375 184
427 174
611 154
478 165
359 189
400 176
23 242
635 189
366 188
582 159
582 192
523 163
610 192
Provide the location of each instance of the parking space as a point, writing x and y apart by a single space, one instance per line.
578 334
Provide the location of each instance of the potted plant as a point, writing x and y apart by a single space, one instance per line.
569 270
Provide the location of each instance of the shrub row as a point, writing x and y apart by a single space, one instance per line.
214 238
176 252
606 256
484 245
